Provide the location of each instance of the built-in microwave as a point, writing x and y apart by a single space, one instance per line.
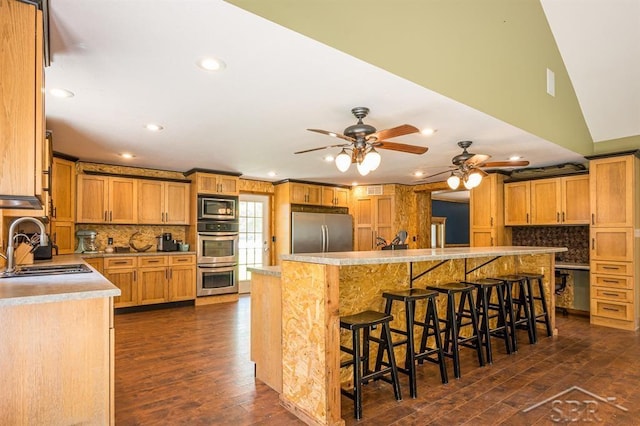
217 207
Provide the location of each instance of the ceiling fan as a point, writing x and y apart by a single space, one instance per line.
363 140
467 167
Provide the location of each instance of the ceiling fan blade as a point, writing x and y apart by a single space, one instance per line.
520 163
334 134
402 147
405 129
477 159
323 147
424 178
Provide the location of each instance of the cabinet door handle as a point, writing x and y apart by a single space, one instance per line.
593 218
491 241
48 173
135 275
55 237
166 217
558 217
527 217
593 244
563 217
153 261
106 217
610 281
110 216
611 294
610 309
613 268
55 212
491 221
120 262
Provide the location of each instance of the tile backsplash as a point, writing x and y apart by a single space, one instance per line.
574 238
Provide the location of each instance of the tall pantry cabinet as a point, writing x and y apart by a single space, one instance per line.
615 241
486 213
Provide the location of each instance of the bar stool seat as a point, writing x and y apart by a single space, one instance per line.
453 322
430 327
362 374
488 311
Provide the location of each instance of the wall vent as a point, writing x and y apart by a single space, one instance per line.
374 190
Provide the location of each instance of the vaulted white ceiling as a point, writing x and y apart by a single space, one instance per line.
132 63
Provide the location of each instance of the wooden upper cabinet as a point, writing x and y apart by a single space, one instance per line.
517 203
482 204
302 193
612 183
21 101
209 183
332 196
105 199
545 202
575 200
63 190
163 202
373 218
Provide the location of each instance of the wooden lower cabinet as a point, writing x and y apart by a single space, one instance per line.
147 280
57 371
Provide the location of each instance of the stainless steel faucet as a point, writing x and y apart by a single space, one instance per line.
11 267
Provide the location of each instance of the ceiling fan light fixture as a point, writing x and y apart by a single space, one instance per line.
343 161
453 181
372 160
473 179
362 169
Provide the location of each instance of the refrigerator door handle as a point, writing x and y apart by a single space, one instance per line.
325 243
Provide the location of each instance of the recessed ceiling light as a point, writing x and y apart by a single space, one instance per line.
127 155
211 64
354 183
153 127
428 131
271 174
61 93
418 174
514 157
329 158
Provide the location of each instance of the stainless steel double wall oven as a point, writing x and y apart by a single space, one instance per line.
217 250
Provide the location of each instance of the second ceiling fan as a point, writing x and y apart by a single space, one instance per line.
467 167
363 140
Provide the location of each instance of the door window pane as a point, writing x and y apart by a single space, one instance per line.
251 238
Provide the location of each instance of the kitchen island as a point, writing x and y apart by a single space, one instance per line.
318 288
56 348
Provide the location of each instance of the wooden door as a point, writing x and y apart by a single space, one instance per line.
176 205
328 196
516 203
125 280
342 197
612 244
122 200
18 90
575 200
153 285
611 187
182 283
384 218
545 202
364 224
482 237
63 235
228 185
93 199
314 194
482 201
298 193
151 200
63 190
206 183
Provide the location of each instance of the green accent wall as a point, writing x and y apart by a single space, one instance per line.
491 55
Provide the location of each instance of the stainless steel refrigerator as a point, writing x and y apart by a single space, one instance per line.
321 232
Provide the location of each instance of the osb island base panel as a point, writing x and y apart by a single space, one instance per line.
316 295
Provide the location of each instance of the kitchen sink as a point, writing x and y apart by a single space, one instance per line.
36 270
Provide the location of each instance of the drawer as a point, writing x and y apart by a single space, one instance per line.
612 281
119 262
614 310
146 261
186 259
605 293
617 268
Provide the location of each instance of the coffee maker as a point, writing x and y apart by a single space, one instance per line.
166 243
87 241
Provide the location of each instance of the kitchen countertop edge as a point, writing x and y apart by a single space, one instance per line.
134 253
266 270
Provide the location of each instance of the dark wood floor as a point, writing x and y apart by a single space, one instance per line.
191 366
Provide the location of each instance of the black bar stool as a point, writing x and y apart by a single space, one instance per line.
453 322
522 317
430 327
542 317
488 311
367 321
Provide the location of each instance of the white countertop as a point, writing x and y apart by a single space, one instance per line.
133 253
265 270
415 255
54 288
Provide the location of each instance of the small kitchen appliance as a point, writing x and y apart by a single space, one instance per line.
166 243
87 241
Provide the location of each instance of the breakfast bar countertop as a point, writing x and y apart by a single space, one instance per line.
55 288
416 255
